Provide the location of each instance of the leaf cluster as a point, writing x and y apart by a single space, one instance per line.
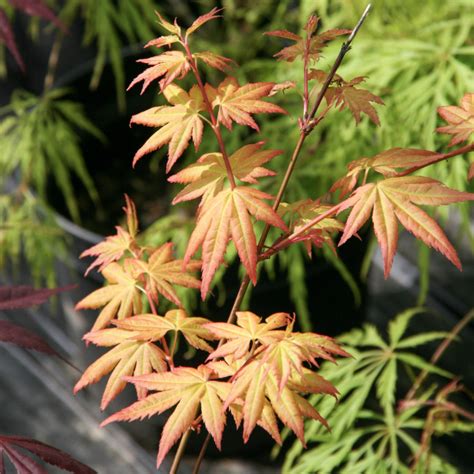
385 436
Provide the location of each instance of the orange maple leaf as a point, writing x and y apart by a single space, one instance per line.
120 298
235 103
207 176
151 327
179 123
387 163
460 119
114 247
128 357
304 211
225 216
161 272
394 199
193 390
344 94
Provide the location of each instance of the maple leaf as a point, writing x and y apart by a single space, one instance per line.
7 37
387 163
179 123
168 66
257 385
344 94
214 60
120 298
394 199
201 20
16 297
460 119
114 247
249 329
38 8
235 103
193 390
207 176
161 272
150 327
21 337
228 215
304 211
316 45
13 446
128 357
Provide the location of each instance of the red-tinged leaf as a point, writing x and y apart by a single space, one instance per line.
110 250
201 20
249 329
165 68
7 37
236 103
162 41
192 390
150 327
127 358
120 298
283 34
38 8
179 123
131 215
214 60
460 119
21 462
471 172
16 297
304 211
358 101
362 202
395 198
207 176
47 453
386 229
226 215
161 272
316 44
387 162
170 27
423 227
21 337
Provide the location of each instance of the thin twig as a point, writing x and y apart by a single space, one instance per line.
52 62
179 452
441 157
309 124
215 124
439 352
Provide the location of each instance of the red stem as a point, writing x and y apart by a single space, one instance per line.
215 123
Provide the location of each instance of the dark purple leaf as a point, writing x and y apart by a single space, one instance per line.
22 463
46 452
15 297
38 8
6 36
22 337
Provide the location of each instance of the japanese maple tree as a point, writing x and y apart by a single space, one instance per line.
258 369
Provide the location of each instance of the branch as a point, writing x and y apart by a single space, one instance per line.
308 125
439 352
441 157
215 124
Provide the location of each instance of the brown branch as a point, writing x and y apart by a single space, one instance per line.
441 157
308 125
439 352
